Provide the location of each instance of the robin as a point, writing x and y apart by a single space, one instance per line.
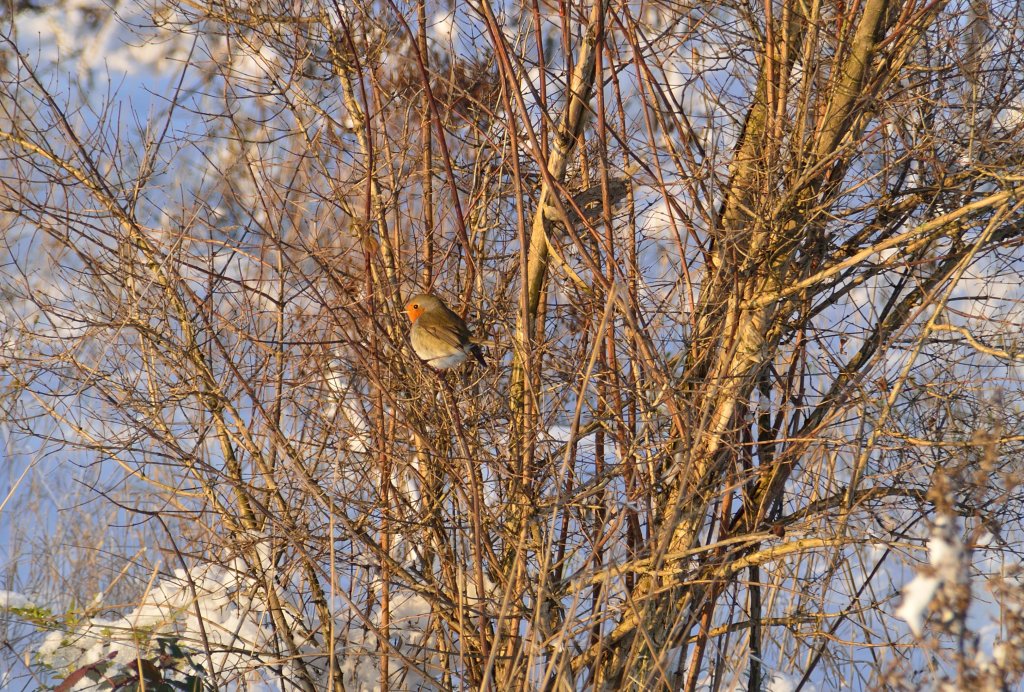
439 336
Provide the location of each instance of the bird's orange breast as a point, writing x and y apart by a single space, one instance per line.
414 311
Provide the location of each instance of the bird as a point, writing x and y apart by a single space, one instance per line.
439 336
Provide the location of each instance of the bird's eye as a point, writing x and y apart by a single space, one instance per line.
415 307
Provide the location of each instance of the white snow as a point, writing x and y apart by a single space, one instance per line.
946 566
917 596
443 29
13 599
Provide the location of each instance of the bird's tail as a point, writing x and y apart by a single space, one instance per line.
477 353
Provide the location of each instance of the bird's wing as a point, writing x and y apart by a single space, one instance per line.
447 333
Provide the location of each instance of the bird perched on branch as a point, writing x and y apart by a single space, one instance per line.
591 202
439 336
